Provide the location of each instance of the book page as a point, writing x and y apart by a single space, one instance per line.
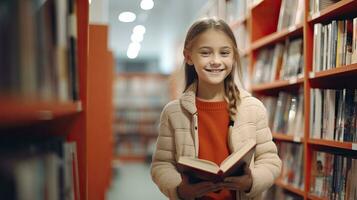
205 165
241 154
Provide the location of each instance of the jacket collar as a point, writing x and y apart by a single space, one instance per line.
187 100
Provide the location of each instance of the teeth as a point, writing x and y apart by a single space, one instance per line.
214 70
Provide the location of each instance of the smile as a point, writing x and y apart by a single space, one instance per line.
214 70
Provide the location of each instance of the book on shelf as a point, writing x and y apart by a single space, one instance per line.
204 170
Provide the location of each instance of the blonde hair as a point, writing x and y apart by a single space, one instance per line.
231 89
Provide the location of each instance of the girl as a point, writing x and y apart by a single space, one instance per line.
211 119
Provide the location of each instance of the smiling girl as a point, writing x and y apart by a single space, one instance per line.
212 119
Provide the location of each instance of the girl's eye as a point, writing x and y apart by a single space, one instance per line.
225 53
205 53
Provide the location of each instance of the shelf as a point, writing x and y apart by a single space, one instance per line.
341 8
135 121
276 37
290 188
341 77
289 138
273 88
14 112
314 197
334 144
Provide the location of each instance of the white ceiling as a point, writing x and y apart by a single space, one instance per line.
165 25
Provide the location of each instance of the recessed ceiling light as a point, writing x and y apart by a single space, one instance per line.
133 50
127 17
146 4
139 29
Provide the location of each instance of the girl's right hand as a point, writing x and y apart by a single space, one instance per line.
189 191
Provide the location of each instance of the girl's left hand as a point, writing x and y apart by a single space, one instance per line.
241 183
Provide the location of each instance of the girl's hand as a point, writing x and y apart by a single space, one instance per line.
187 190
241 183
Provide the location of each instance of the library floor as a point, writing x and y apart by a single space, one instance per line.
132 181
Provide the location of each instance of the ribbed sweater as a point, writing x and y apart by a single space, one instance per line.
213 121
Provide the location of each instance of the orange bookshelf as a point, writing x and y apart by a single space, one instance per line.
263 33
335 144
276 37
279 85
288 138
17 112
341 8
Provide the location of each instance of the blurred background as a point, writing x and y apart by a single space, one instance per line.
83 83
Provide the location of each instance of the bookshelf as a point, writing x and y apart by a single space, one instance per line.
266 34
137 112
49 104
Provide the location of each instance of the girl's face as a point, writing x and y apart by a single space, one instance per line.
212 56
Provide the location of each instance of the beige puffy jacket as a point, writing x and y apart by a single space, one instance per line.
178 136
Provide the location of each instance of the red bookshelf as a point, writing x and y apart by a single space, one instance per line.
263 33
17 112
343 7
276 37
276 86
288 138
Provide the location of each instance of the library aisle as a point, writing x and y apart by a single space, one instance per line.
132 181
83 83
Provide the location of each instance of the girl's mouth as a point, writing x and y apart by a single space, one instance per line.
214 70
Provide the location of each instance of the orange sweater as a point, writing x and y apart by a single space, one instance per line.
213 121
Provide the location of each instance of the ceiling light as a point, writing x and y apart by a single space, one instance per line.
127 17
90 1
146 4
139 29
133 50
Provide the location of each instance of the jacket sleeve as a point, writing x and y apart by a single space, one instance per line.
163 170
267 164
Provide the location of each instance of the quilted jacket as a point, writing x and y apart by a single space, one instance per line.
178 136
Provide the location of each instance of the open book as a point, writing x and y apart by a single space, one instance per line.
205 170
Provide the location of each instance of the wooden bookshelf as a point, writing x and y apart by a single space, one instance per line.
340 77
287 138
52 117
276 37
17 112
291 84
341 8
263 33
290 188
334 144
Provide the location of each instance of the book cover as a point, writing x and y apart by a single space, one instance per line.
204 170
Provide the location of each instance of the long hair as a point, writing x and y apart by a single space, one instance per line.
231 89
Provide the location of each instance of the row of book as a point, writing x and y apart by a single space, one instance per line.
315 6
286 113
292 156
335 44
38 169
291 14
333 176
134 115
281 62
38 49
333 114
135 128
